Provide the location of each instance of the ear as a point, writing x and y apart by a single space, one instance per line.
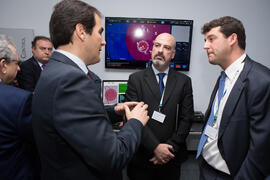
173 53
233 39
3 66
80 32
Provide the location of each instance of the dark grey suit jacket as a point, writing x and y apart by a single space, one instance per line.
244 133
73 133
143 86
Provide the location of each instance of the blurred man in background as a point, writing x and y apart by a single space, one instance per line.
30 69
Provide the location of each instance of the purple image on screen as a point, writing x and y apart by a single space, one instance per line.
110 95
140 37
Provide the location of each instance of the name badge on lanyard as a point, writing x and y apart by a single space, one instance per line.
158 116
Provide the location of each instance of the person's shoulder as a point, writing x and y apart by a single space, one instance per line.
13 91
259 69
142 73
27 62
179 74
256 75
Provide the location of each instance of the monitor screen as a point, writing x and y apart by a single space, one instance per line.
113 91
130 41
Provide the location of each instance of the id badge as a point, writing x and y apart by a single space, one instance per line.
158 116
211 132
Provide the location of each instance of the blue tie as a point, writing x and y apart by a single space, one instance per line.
160 83
211 117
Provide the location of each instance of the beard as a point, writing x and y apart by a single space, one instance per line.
158 63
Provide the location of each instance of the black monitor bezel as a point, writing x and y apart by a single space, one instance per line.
144 64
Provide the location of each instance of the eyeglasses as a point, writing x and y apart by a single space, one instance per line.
17 62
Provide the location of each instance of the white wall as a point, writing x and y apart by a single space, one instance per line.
255 15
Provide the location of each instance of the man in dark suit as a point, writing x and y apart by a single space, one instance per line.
18 156
163 145
235 141
74 136
30 69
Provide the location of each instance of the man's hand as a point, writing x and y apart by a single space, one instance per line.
120 109
162 154
138 112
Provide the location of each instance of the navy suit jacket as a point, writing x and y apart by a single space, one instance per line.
244 132
178 100
72 130
29 74
18 156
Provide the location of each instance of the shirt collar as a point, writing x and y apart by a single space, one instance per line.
157 71
75 59
39 63
230 71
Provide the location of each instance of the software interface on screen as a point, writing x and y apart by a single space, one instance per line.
130 40
113 91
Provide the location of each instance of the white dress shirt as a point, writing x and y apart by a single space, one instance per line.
75 59
210 150
39 63
165 77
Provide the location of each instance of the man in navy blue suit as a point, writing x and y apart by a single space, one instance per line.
30 71
18 157
235 142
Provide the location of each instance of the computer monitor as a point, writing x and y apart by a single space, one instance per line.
113 91
130 41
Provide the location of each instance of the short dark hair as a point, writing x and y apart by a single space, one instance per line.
66 15
228 26
34 42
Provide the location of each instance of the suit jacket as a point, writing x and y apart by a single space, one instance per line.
110 108
244 132
143 86
18 155
73 133
29 74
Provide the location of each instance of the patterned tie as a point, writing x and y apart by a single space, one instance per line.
160 83
43 66
211 117
89 75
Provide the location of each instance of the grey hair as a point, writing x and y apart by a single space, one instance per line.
5 52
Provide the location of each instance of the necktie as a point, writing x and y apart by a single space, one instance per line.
43 66
160 83
211 117
89 75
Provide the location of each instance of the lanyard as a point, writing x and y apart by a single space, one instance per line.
161 100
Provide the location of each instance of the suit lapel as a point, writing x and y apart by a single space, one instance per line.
234 96
170 85
151 82
212 98
37 68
